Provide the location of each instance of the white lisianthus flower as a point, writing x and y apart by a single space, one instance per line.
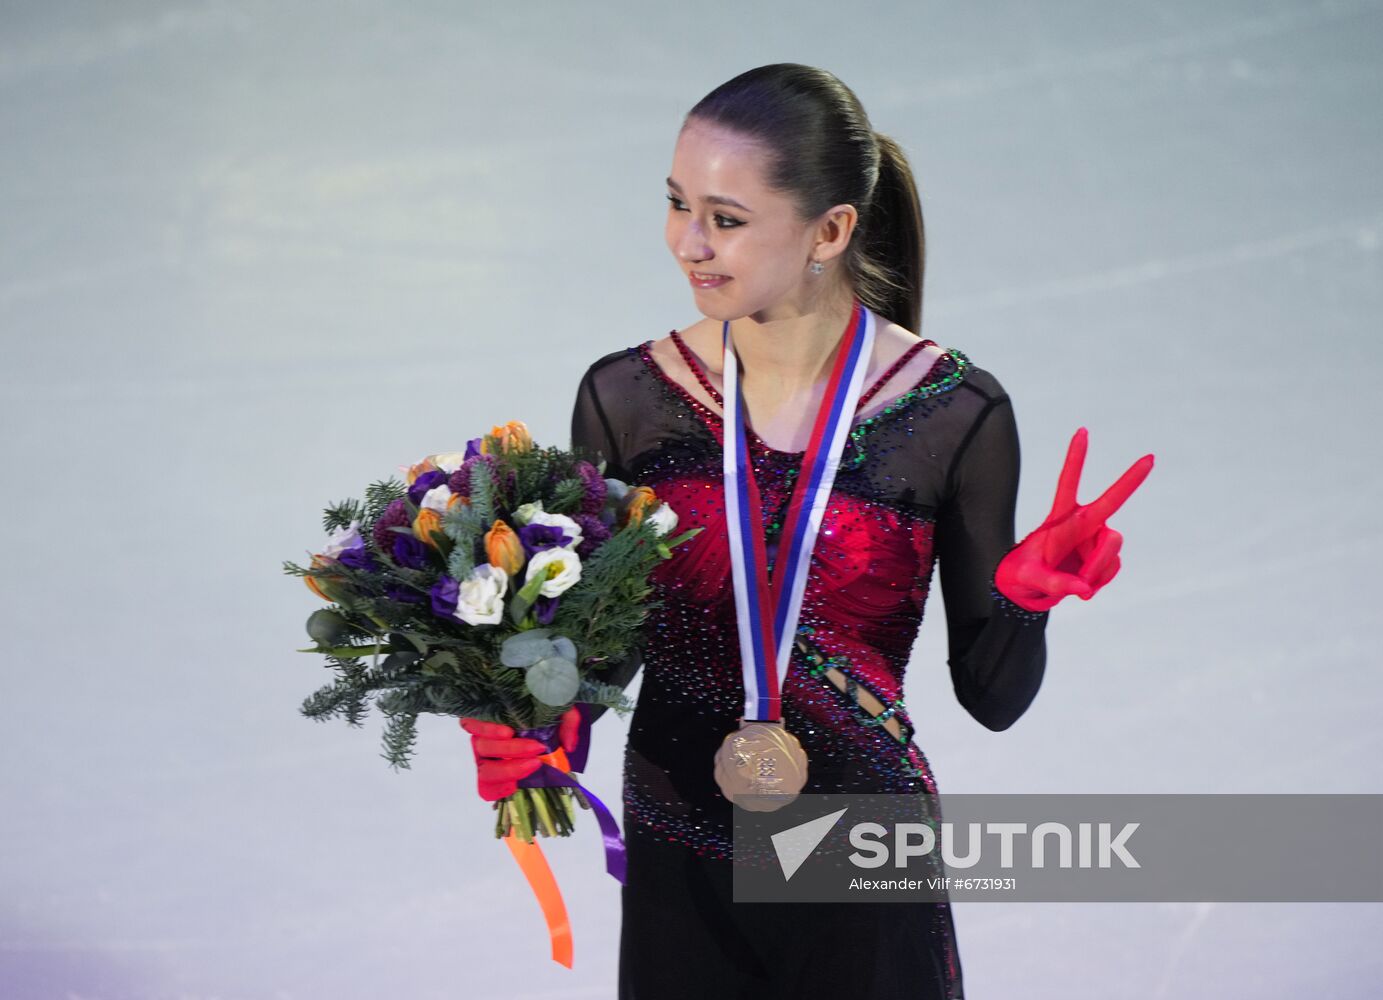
436 498
569 527
449 461
663 519
341 539
524 512
480 597
560 569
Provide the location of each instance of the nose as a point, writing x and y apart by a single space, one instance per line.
691 245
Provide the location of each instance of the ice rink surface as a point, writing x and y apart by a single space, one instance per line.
256 255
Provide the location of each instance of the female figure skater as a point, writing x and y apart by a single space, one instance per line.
793 221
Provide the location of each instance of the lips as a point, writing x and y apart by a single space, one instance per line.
699 276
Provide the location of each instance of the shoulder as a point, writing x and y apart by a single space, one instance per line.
702 338
609 368
662 349
979 382
613 359
967 394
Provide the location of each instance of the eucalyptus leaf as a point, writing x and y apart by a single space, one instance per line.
565 648
329 628
523 649
554 681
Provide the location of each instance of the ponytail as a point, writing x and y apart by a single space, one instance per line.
888 263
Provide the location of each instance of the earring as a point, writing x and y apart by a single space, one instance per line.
816 267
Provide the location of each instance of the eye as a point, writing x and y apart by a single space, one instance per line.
677 206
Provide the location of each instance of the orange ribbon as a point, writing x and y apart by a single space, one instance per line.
535 868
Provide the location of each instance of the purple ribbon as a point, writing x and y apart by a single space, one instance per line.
548 776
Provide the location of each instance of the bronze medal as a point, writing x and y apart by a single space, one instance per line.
761 767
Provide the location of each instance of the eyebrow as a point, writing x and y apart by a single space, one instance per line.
714 199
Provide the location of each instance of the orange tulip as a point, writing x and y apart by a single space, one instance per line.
416 470
319 562
503 548
639 502
457 498
427 521
510 437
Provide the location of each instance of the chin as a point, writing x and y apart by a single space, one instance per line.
720 315
721 311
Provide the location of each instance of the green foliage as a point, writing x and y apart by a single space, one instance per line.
345 697
610 695
380 494
400 733
401 708
408 660
566 497
482 494
339 515
532 471
463 526
609 606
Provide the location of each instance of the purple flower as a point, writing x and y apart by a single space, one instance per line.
359 557
472 448
425 482
444 593
394 516
409 551
537 537
593 500
545 609
594 534
460 481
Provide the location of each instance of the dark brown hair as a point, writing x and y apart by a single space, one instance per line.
823 151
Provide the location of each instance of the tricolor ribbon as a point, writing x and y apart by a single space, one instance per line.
767 611
556 770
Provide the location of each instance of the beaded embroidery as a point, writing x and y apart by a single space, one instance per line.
959 364
871 574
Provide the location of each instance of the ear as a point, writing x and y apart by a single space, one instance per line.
833 231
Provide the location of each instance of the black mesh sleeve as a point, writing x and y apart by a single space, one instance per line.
997 650
590 427
591 435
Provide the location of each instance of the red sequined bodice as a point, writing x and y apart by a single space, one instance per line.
895 494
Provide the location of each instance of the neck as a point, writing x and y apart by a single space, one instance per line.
789 354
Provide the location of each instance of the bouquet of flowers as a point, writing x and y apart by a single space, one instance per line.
498 583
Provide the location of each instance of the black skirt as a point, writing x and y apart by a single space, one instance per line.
683 936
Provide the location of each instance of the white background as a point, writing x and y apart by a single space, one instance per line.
254 255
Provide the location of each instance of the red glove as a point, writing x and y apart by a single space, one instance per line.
502 759
1073 551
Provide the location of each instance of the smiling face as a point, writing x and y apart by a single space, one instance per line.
723 221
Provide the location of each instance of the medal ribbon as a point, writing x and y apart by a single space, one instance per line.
767 611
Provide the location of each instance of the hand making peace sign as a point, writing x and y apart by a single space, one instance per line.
1073 551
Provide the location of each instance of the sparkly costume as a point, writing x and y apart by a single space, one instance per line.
931 478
